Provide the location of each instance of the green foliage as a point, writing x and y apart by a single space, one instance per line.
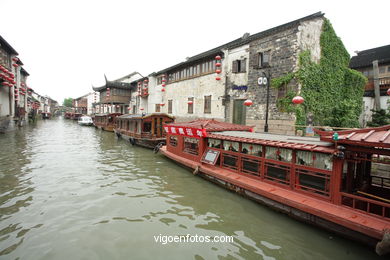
283 80
332 91
379 118
68 102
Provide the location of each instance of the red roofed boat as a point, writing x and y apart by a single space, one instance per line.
105 121
334 184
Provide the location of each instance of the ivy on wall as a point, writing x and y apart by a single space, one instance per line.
332 91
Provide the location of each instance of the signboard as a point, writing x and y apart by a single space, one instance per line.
185 131
210 156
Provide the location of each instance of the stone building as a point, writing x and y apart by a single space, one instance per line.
80 104
193 89
363 61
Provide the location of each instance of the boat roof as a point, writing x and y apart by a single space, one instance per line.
212 125
285 141
143 116
378 137
111 114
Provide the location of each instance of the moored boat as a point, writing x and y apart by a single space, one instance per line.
144 130
330 182
105 121
85 121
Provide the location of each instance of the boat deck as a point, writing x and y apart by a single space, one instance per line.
350 218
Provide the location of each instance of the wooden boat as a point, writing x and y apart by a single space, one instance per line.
76 116
105 121
330 183
68 115
144 130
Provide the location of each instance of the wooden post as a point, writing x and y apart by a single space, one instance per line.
377 103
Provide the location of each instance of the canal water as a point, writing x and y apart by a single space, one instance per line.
72 192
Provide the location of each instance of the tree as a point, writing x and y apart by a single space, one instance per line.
379 118
68 102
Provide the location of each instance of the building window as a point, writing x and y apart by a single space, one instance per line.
158 107
263 59
159 80
252 149
279 154
190 105
170 106
207 104
191 145
215 143
382 70
239 66
173 140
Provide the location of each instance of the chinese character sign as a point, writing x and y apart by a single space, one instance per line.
186 131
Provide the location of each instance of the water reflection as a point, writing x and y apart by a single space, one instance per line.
77 192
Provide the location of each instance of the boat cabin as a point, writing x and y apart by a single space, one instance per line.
105 121
145 129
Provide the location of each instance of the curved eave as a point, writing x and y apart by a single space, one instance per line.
113 84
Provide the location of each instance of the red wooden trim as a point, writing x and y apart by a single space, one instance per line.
350 135
385 136
367 135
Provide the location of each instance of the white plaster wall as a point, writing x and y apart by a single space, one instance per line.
4 100
239 53
197 88
309 33
90 101
368 103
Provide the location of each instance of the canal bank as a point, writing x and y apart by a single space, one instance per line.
77 192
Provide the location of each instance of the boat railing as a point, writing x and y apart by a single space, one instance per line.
365 204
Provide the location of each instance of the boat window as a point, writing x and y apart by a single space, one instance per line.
173 140
230 161
313 182
317 160
231 146
147 127
278 173
191 145
280 154
250 166
252 149
215 143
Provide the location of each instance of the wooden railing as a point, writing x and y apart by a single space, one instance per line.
365 204
384 83
379 181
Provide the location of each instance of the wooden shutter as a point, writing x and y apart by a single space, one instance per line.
235 66
243 65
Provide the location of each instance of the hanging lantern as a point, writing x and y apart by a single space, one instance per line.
15 59
248 102
218 78
4 83
15 65
190 102
163 85
388 92
141 108
298 100
218 64
163 80
218 71
162 104
163 90
108 92
218 57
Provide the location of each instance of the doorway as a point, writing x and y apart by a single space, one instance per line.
239 112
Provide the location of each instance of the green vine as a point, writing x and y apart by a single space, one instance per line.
283 80
332 91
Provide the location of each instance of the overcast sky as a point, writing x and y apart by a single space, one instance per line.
68 45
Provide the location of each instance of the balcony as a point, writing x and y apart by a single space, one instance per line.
116 99
384 84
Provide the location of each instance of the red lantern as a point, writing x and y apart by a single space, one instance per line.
298 100
4 83
388 92
218 78
218 71
218 57
190 102
252 130
163 89
128 108
163 80
162 104
15 59
248 102
163 85
15 65
218 64
141 108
